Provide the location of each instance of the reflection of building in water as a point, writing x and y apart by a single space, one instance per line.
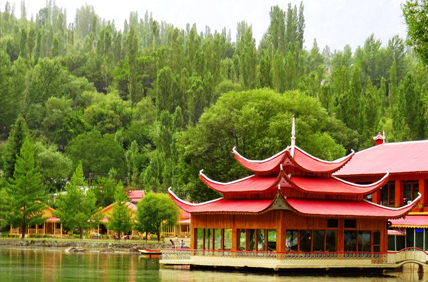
290 204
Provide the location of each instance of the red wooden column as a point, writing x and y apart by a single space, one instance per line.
399 193
234 239
376 197
423 191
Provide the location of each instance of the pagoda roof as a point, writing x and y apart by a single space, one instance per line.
348 209
411 221
221 205
293 156
316 208
251 183
331 185
396 158
334 185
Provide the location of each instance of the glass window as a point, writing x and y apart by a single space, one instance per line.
251 233
318 240
350 223
261 241
227 239
272 240
411 189
400 242
305 240
332 223
200 238
331 241
419 237
291 240
388 194
410 236
208 239
217 239
364 241
350 241
241 239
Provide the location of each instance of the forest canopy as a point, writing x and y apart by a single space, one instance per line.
151 104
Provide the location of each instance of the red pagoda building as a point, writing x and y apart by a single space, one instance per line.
291 206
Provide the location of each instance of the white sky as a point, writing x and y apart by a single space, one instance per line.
332 22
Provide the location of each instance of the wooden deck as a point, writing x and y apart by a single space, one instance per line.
294 261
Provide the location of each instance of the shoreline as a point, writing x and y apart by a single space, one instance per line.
132 245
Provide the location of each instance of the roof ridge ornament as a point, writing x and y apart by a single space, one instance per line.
293 136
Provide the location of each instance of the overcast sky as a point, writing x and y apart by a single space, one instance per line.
332 22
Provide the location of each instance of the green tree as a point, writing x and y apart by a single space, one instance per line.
104 189
155 210
98 154
258 123
416 16
76 207
26 200
120 219
11 152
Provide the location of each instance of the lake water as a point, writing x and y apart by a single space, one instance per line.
54 264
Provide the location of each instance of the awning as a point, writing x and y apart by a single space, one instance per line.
411 221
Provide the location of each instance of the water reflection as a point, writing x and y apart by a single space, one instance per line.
53 264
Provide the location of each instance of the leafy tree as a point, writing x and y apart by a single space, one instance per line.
54 166
258 123
26 193
13 146
76 207
98 153
416 15
104 190
120 219
155 210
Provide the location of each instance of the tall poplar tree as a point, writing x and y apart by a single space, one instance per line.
26 193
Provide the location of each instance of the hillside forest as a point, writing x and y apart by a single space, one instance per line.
150 105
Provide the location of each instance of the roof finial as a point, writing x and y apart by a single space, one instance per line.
293 136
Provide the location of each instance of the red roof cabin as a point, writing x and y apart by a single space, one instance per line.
291 208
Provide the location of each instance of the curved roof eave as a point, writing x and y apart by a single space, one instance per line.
350 188
184 205
356 209
267 164
240 185
323 166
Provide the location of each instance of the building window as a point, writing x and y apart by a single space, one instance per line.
241 239
218 239
291 240
227 239
200 238
411 190
331 241
272 240
364 241
350 223
305 240
350 242
208 239
388 194
332 223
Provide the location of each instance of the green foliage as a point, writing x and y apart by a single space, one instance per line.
258 123
104 190
120 219
98 154
155 210
416 15
76 205
26 194
13 146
